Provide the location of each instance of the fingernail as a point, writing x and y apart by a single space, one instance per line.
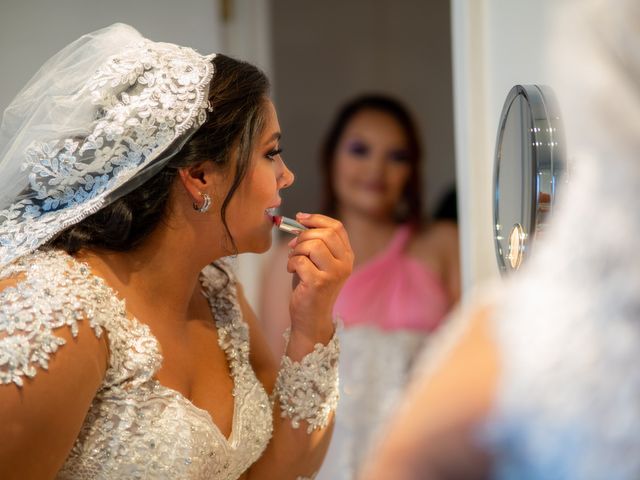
303 215
292 243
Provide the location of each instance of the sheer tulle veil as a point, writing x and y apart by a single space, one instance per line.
97 120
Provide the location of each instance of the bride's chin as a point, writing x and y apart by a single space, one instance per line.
266 245
258 245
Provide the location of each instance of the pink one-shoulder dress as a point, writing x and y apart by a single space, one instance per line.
387 307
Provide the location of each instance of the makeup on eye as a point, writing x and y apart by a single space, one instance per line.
274 139
274 153
358 148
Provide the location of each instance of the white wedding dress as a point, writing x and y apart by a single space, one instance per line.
135 427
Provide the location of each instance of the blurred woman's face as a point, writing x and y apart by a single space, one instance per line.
371 167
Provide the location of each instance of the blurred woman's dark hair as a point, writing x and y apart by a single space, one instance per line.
447 208
237 96
412 203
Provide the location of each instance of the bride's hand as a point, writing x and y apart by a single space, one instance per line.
322 259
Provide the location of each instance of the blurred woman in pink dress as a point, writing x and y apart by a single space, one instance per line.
406 274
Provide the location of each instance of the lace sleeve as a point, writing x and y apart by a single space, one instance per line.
31 309
308 390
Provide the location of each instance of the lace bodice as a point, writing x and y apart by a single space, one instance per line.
135 427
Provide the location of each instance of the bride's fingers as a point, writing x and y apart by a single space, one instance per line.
330 238
322 258
315 220
318 251
306 270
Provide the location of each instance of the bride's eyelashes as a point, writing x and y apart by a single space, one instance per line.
273 153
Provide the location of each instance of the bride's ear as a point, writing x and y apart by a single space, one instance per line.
199 179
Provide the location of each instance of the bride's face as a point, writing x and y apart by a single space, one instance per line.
247 217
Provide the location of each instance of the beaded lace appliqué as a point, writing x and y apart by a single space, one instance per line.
135 427
308 390
32 309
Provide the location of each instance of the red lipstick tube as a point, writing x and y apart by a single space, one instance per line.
288 225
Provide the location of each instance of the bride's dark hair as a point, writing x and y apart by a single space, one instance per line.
237 96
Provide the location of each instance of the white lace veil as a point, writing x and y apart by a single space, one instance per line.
96 121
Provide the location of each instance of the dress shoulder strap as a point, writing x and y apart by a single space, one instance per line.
400 240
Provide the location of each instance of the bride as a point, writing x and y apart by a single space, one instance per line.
128 170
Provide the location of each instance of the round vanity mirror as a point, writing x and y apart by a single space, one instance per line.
529 163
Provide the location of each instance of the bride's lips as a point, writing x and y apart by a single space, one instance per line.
271 212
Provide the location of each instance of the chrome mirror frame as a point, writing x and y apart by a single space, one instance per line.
542 166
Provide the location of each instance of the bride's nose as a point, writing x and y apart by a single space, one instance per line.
287 177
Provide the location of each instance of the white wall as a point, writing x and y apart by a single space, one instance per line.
31 31
246 34
496 44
